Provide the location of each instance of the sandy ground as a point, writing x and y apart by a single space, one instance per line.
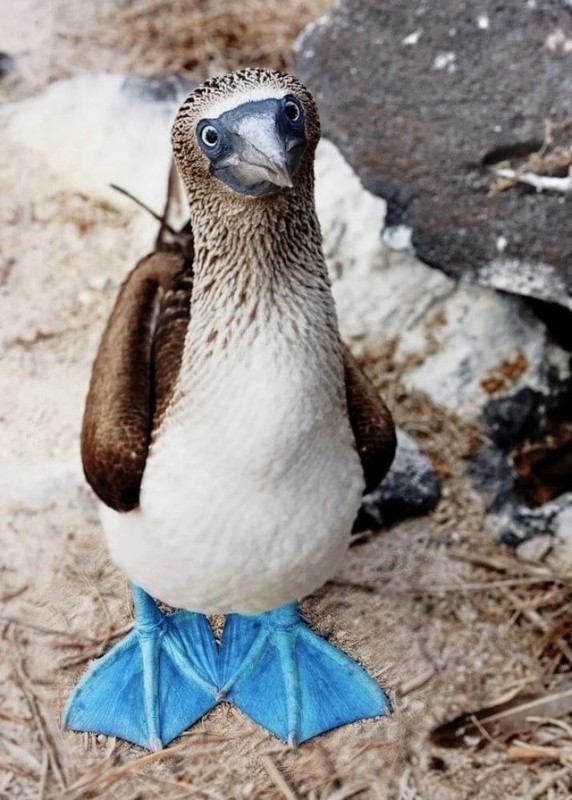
412 604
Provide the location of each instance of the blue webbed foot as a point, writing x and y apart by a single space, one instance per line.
153 684
291 681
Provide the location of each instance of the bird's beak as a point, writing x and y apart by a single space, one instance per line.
259 152
262 160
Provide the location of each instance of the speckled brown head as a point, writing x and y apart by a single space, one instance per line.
249 135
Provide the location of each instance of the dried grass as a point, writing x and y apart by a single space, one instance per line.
201 38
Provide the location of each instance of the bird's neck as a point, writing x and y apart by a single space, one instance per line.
261 306
258 262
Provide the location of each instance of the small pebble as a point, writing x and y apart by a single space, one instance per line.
98 283
534 550
7 64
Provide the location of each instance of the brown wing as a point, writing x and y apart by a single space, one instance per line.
149 319
371 423
169 338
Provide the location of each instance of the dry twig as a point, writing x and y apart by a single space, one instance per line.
48 736
277 778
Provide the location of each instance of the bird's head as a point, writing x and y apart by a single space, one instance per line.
251 133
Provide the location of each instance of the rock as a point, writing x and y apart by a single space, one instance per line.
493 476
563 534
410 488
517 523
350 217
468 347
7 64
95 130
425 100
483 354
487 347
528 461
507 419
534 550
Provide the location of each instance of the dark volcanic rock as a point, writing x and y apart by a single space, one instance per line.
410 488
424 99
507 419
494 477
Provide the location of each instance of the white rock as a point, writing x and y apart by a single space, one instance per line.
399 237
482 330
99 129
563 536
534 550
351 218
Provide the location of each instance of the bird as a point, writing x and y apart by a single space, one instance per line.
230 435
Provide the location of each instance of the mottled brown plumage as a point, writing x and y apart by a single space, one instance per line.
169 339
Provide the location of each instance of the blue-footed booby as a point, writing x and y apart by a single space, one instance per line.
230 436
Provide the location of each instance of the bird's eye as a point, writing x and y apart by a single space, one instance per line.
292 110
209 135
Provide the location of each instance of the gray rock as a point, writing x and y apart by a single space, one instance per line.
513 415
7 64
508 418
411 487
517 523
534 550
563 534
493 476
425 100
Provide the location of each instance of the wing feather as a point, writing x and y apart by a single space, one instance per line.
119 411
371 422
169 339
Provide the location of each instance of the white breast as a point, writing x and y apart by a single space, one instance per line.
250 490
